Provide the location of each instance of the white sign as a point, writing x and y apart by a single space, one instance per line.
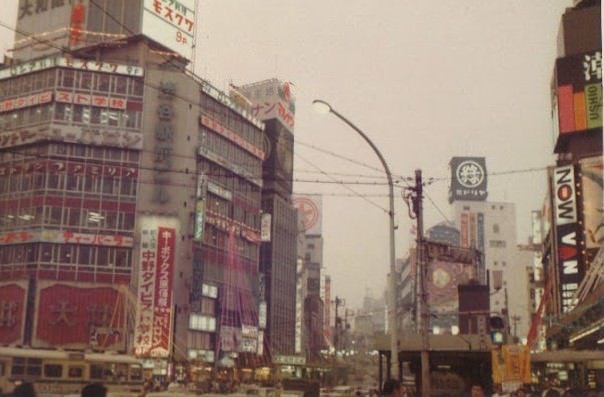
265 227
72 63
70 133
171 23
565 198
311 208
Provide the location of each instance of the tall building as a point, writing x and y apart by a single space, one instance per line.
130 191
490 227
273 102
572 217
318 330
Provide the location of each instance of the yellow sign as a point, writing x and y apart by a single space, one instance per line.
511 363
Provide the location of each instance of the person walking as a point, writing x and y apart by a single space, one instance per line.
94 390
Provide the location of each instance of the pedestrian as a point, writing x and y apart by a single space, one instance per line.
25 389
392 388
499 391
94 390
521 392
476 390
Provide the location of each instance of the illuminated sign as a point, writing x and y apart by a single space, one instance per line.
579 92
171 23
468 179
37 65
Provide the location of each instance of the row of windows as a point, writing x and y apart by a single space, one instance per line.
200 322
67 254
85 152
80 80
75 218
216 238
71 114
33 367
231 120
247 191
230 152
35 181
80 114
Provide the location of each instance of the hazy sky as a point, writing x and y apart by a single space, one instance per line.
426 80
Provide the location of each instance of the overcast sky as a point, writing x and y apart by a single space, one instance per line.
426 80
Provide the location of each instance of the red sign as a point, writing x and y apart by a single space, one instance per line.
12 312
153 319
26 101
163 289
94 100
94 316
78 16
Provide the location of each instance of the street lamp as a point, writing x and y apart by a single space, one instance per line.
324 108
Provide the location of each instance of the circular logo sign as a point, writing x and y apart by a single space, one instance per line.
469 174
309 210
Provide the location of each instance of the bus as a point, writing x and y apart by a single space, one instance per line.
58 372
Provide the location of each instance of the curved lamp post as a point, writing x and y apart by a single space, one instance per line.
324 108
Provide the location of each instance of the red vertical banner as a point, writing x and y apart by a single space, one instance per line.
164 275
464 226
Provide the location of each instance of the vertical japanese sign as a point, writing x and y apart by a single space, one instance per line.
172 24
153 333
164 141
202 186
143 331
162 334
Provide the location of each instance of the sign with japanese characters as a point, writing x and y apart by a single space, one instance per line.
37 65
171 23
25 101
272 99
94 316
231 136
13 297
87 135
90 100
64 237
153 329
578 81
468 179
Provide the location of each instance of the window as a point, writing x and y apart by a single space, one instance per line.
200 322
96 371
53 370
495 228
75 372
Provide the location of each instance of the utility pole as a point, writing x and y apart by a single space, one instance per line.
423 310
336 340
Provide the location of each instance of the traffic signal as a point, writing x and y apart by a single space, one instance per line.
497 330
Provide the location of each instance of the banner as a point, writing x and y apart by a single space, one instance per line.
511 364
153 329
